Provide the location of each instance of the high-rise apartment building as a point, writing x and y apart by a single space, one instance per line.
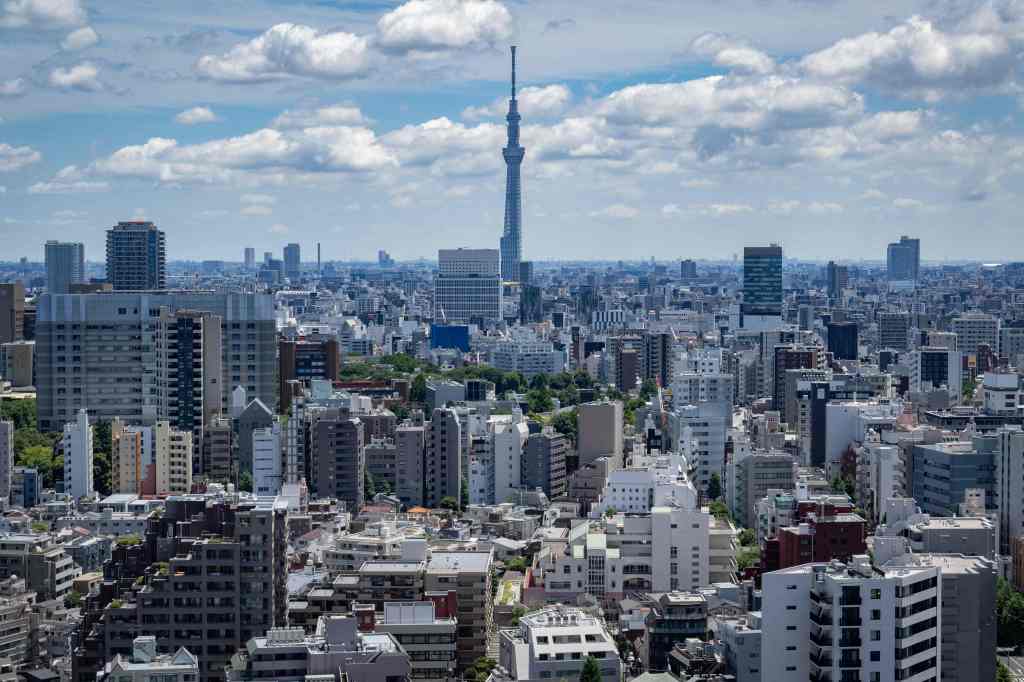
267 461
442 460
77 446
410 445
688 270
467 287
903 260
512 237
827 619
65 265
150 460
139 356
339 457
292 262
599 428
762 287
836 279
12 312
543 464
250 258
219 460
136 257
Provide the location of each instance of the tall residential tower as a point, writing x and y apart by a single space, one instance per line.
512 238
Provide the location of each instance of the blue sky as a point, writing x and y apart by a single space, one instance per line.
652 128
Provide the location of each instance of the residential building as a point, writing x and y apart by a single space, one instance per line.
146 665
543 463
699 430
255 415
17 363
304 360
836 279
292 262
903 260
528 356
410 446
881 624
467 287
880 476
382 463
1008 446
751 475
426 630
26 484
65 265
136 257
941 473
442 458
553 643
150 335
219 460
740 640
469 574
599 428
77 446
674 617
339 457
12 312
337 652
150 460
267 461
50 571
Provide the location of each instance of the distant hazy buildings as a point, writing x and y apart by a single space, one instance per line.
250 258
292 262
65 265
136 257
903 260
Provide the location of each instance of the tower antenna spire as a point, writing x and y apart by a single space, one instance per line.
513 72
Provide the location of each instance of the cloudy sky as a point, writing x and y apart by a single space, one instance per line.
668 129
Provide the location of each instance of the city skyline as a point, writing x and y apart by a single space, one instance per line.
693 135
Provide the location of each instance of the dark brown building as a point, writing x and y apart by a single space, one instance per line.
12 312
304 360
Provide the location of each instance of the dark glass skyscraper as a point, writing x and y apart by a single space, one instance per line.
512 238
762 283
903 259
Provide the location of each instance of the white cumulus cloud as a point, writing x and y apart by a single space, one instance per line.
84 76
196 115
534 103
730 53
617 212
12 158
46 14
290 50
80 39
323 116
13 87
425 25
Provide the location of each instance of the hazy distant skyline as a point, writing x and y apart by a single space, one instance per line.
652 128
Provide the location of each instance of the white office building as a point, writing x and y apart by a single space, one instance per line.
668 549
690 388
495 459
830 620
468 285
267 461
552 644
658 481
933 369
974 329
527 355
847 423
880 476
700 430
77 447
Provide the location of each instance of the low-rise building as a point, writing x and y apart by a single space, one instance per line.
553 643
146 665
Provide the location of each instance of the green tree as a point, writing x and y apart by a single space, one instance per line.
715 486
539 400
747 537
591 670
516 564
647 389
539 382
245 481
21 412
1009 614
369 486
101 473
719 510
450 503
481 669
747 557
565 424
517 613
418 389
40 458
1003 673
